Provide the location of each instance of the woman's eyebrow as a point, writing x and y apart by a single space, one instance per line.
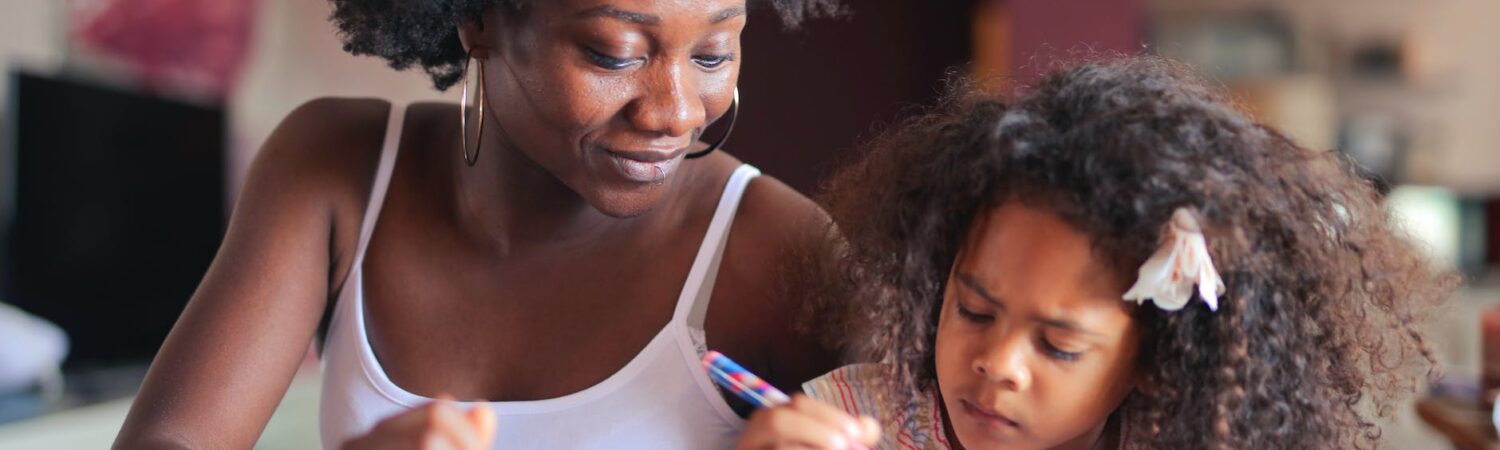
640 18
611 12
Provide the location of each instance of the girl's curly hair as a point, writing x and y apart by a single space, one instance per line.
1317 333
425 32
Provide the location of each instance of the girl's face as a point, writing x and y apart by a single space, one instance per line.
608 95
1035 348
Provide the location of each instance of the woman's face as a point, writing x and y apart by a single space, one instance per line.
608 95
1035 348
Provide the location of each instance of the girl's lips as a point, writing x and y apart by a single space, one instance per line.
989 417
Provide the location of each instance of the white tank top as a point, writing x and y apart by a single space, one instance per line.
661 399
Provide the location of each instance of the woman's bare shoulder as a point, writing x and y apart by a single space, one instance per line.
778 220
321 159
775 227
326 141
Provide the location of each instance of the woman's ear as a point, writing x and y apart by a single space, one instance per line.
475 36
482 33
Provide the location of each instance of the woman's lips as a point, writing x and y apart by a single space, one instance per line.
990 418
648 166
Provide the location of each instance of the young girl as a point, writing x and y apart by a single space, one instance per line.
1117 259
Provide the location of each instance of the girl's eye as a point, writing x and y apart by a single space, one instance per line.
608 62
972 316
1058 354
713 61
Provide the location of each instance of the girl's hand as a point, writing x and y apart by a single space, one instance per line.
808 424
439 425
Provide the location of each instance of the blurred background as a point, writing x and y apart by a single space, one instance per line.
126 127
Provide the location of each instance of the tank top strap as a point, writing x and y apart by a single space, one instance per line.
382 183
692 303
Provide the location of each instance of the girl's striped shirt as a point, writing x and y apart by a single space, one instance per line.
853 389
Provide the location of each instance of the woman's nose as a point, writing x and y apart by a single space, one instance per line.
669 102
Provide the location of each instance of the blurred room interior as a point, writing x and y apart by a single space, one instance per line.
127 126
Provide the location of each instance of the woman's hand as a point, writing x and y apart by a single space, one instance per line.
439 425
808 424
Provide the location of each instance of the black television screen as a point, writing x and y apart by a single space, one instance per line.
115 209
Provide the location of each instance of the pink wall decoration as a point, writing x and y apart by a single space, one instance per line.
197 46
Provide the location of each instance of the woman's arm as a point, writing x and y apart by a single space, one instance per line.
233 352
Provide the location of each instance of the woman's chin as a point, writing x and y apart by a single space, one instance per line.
624 204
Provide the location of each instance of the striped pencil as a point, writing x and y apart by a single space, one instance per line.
741 382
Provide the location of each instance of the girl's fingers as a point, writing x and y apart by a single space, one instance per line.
788 427
830 417
869 431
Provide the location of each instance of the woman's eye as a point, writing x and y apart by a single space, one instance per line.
608 62
1058 354
712 61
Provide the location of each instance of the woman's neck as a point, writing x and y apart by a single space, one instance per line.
506 199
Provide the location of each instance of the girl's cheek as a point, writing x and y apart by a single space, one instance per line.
950 352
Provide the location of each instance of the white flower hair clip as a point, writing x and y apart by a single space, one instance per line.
1167 278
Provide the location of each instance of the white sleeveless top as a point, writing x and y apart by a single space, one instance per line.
661 399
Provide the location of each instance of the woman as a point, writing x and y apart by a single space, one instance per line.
554 261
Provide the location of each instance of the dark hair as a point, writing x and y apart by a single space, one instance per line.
425 32
1318 330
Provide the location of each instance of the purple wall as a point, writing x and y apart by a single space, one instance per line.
811 95
1044 29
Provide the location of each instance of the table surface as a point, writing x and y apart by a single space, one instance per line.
1427 422
294 425
1465 422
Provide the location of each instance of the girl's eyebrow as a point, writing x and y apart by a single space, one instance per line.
973 285
1063 324
727 13
1054 322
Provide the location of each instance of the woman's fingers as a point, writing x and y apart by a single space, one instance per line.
439 425
445 420
437 441
483 420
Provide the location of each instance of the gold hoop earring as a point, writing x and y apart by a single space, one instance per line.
463 112
734 114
